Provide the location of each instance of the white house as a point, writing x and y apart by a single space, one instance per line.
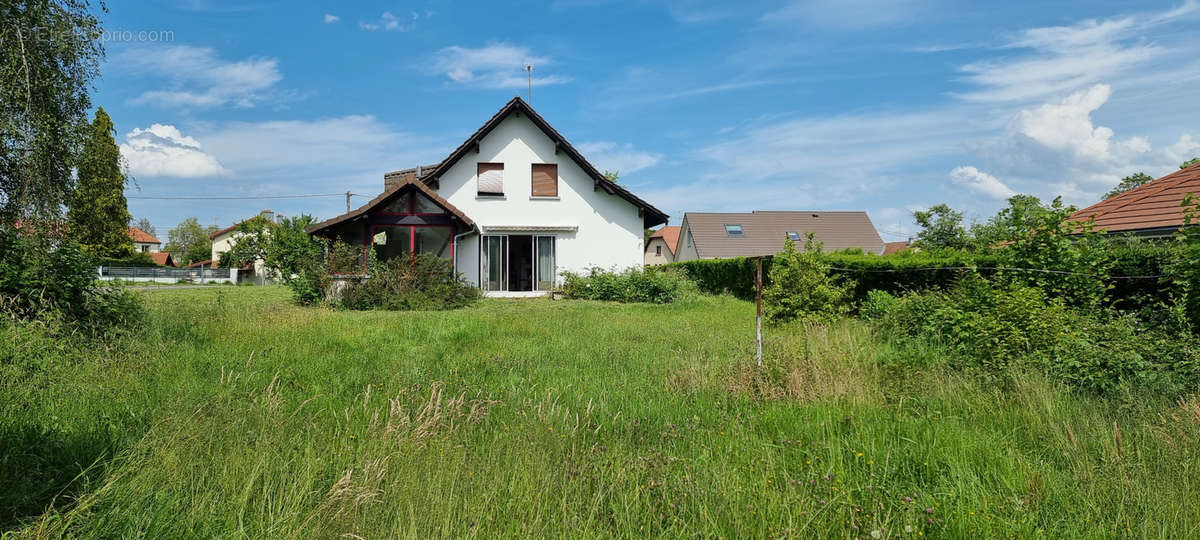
143 242
513 207
223 240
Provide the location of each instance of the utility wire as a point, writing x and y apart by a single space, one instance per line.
246 197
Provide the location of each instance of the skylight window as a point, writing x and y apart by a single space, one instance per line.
793 236
733 229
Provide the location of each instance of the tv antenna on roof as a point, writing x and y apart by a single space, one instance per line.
529 73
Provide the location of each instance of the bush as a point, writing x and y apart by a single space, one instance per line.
998 327
40 277
877 305
422 282
802 288
633 285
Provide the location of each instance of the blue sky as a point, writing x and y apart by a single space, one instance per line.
884 106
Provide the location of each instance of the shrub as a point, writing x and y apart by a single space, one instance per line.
722 276
877 305
138 259
802 287
40 277
422 282
998 327
633 285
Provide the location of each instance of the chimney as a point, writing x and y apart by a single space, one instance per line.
268 215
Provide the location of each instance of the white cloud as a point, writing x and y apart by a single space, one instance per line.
390 22
497 65
199 78
356 142
161 150
331 18
1058 59
1067 126
981 182
622 158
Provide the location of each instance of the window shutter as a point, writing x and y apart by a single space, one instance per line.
545 180
491 178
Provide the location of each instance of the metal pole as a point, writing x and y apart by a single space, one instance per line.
758 303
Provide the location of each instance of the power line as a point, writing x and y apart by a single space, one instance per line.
242 197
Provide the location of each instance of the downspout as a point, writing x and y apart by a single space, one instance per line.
454 248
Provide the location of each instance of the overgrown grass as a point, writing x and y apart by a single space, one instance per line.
238 414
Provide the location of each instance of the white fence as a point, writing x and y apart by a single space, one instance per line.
160 274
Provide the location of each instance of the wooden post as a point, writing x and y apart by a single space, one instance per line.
758 303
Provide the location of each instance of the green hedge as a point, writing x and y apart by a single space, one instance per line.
137 259
894 273
909 271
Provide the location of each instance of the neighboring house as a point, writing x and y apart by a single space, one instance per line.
222 241
891 248
660 248
162 258
713 236
143 242
1150 210
512 208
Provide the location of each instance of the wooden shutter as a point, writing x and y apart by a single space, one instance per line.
491 178
545 180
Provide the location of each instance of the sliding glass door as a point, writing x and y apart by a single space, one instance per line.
517 263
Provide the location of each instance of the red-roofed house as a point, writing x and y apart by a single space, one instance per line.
162 258
143 242
660 248
1153 209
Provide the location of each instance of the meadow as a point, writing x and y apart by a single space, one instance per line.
235 413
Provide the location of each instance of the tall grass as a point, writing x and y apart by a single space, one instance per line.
236 414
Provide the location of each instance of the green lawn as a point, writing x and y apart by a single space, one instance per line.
237 414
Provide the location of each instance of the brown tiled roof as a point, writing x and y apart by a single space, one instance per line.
141 236
764 232
651 215
414 173
162 258
670 235
894 247
385 198
202 264
1154 205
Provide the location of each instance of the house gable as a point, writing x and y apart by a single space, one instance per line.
559 146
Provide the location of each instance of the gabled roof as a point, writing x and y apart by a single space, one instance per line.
162 258
891 248
1154 205
651 215
669 234
764 232
402 185
141 236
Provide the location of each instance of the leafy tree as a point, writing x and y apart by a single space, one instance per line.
941 227
1022 214
1129 182
145 225
1052 255
50 53
1189 163
189 241
282 246
99 214
801 287
1183 272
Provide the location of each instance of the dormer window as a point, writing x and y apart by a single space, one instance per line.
491 179
734 229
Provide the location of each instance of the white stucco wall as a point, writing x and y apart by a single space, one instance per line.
608 231
652 256
145 247
687 248
223 242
